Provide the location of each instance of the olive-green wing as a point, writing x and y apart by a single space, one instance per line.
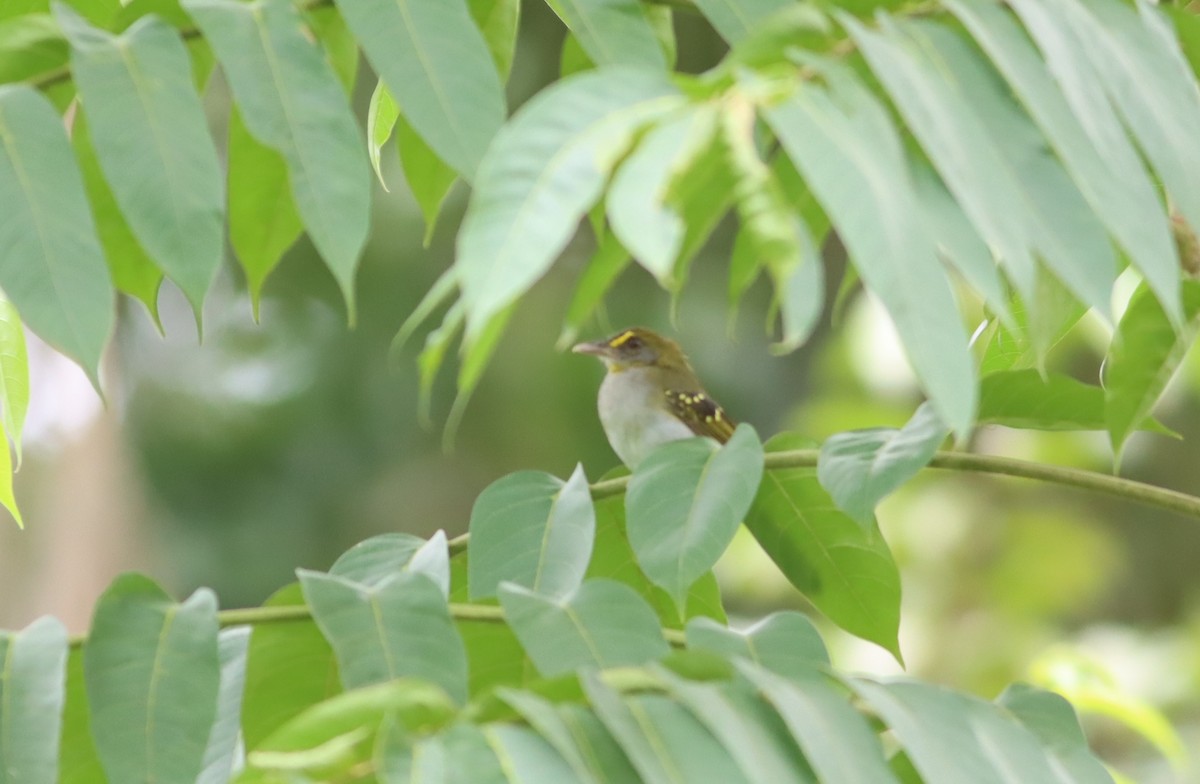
702 414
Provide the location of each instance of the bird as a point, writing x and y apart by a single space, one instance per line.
651 395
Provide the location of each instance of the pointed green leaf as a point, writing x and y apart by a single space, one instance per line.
133 272
636 203
400 627
497 20
543 716
842 567
663 741
1067 57
339 43
784 642
377 559
263 222
274 69
1091 146
437 64
836 739
530 760
151 138
736 19
221 756
848 151
957 241
686 501
14 373
1052 719
953 737
541 175
7 498
613 558
1034 330
612 32
601 624
748 728
381 119
1144 355
1027 399
33 674
428 176
153 675
862 467
534 530
78 762
289 667
51 266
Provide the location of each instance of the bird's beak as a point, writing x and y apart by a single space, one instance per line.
598 348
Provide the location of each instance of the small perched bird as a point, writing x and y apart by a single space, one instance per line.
651 395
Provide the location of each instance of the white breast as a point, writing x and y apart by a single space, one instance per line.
634 417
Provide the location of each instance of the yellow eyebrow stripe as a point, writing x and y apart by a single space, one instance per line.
621 339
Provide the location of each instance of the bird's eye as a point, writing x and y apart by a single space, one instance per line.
633 343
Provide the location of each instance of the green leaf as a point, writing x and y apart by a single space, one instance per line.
497 20
530 760
222 753
336 38
29 45
1027 399
612 32
1145 353
151 138
601 624
289 667
752 733
954 737
133 272
532 529
544 717
784 642
263 222
98 12
7 498
51 266
613 558
686 501
1034 330
862 467
77 759
375 560
662 740
429 178
382 114
939 110
437 65
546 167
1089 141
153 674
398 628
835 738
273 69
1065 232
430 360
957 241
736 19
358 713
636 205
1137 61
33 674
1052 719
843 568
607 263
848 151
14 373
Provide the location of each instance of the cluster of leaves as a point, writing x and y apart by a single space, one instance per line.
583 639
1020 154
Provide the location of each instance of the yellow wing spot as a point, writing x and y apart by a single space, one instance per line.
621 339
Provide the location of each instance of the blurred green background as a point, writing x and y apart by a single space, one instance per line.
279 444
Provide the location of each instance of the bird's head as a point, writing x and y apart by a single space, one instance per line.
635 347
